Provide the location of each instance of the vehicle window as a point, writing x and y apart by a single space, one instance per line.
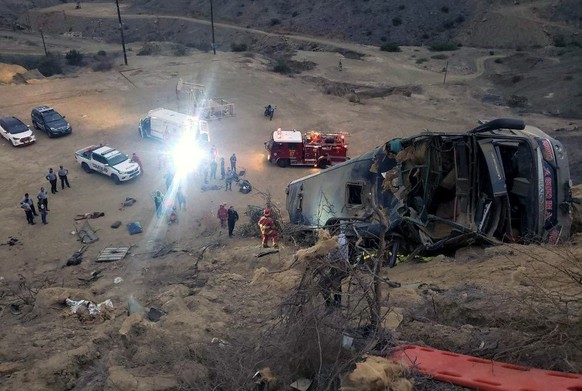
51 116
16 127
99 159
354 194
293 147
115 160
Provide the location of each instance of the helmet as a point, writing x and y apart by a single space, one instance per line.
267 212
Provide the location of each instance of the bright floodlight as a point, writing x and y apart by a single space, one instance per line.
186 155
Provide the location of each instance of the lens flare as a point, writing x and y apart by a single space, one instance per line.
186 156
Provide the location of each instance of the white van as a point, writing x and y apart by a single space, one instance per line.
170 126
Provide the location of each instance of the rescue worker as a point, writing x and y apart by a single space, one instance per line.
158 201
28 212
213 153
268 231
232 219
222 215
52 178
233 162
228 180
63 172
222 170
213 168
180 198
29 201
136 159
43 198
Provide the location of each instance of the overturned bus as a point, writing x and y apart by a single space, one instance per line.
500 182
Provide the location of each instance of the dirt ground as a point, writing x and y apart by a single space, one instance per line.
44 347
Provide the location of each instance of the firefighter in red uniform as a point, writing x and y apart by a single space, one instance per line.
222 215
268 231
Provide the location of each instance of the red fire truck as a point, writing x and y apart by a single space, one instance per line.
317 149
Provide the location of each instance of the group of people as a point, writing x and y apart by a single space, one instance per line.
227 217
27 204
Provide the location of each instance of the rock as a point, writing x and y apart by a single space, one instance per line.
155 314
130 325
6 368
120 379
393 319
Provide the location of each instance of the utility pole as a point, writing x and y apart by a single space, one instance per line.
212 24
121 31
446 71
43 44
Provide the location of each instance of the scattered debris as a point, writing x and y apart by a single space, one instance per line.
267 252
15 309
167 248
133 307
86 233
77 257
134 228
90 215
94 276
11 241
110 254
94 309
376 374
117 280
155 314
128 202
116 225
301 384
210 187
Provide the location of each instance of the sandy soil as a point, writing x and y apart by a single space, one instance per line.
205 303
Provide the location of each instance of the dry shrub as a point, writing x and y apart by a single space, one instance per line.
377 374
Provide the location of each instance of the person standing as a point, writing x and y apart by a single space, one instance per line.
181 198
136 159
232 219
233 162
63 172
169 179
52 178
213 168
222 215
27 212
268 231
29 201
42 198
222 170
42 211
228 180
158 201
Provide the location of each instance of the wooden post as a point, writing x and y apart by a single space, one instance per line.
43 44
121 31
446 71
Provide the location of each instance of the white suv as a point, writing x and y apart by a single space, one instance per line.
16 131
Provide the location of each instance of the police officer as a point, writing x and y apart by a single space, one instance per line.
29 201
43 198
27 212
233 162
232 219
63 172
52 178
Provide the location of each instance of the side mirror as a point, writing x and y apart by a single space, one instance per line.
64 116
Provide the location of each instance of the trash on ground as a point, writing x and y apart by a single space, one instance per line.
11 241
94 276
210 187
116 224
134 228
110 254
301 384
128 202
86 233
89 215
15 309
133 307
267 252
94 309
155 314
77 257
117 280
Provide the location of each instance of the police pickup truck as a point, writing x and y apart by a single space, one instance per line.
107 161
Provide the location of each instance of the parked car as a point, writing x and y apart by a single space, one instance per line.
16 131
107 161
48 120
500 182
